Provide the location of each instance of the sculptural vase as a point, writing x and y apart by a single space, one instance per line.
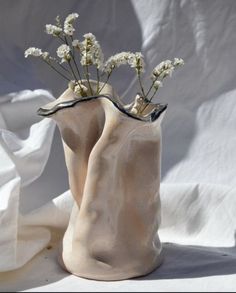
114 160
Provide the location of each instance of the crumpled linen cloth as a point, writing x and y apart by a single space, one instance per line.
198 188
24 151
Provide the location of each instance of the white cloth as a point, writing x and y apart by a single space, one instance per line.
199 136
24 151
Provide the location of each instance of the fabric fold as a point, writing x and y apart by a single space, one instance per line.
24 152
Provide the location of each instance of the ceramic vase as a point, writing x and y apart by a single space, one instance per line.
113 159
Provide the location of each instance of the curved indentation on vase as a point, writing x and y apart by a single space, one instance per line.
151 117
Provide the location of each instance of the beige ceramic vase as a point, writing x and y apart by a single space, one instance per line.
113 160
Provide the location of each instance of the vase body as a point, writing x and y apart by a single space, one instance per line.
114 162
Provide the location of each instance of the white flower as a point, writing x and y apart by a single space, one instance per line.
76 43
45 56
63 52
98 56
90 37
80 90
164 65
167 72
69 29
157 84
91 51
53 30
178 62
117 60
32 51
71 17
68 24
136 61
165 68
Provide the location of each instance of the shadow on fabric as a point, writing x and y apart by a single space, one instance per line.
185 262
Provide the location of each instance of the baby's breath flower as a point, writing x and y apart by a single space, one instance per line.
32 51
53 30
86 58
63 52
164 69
71 18
91 51
69 29
36 52
76 43
58 21
117 60
89 37
136 61
178 62
98 56
157 84
80 90
68 24
167 72
45 56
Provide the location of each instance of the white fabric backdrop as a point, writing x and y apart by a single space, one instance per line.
199 136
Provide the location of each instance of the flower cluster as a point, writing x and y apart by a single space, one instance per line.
91 52
91 55
166 68
68 24
136 61
63 52
36 52
53 30
116 61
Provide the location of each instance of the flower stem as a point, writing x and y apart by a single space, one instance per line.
73 58
149 101
62 67
61 74
87 77
108 76
153 95
150 88
141 86
72 70
98 80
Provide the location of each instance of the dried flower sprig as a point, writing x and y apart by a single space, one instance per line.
90 55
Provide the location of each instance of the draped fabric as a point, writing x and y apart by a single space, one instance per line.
198 189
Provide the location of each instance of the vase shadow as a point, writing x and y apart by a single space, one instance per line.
187 262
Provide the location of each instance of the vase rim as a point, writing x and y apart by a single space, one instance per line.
150 117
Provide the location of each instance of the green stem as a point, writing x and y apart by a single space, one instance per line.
73 58
73 49
61 74
149 101
150 88
73 75
108 76
87 77
77 68
63 67
140 83
72 70
98 80
153 95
